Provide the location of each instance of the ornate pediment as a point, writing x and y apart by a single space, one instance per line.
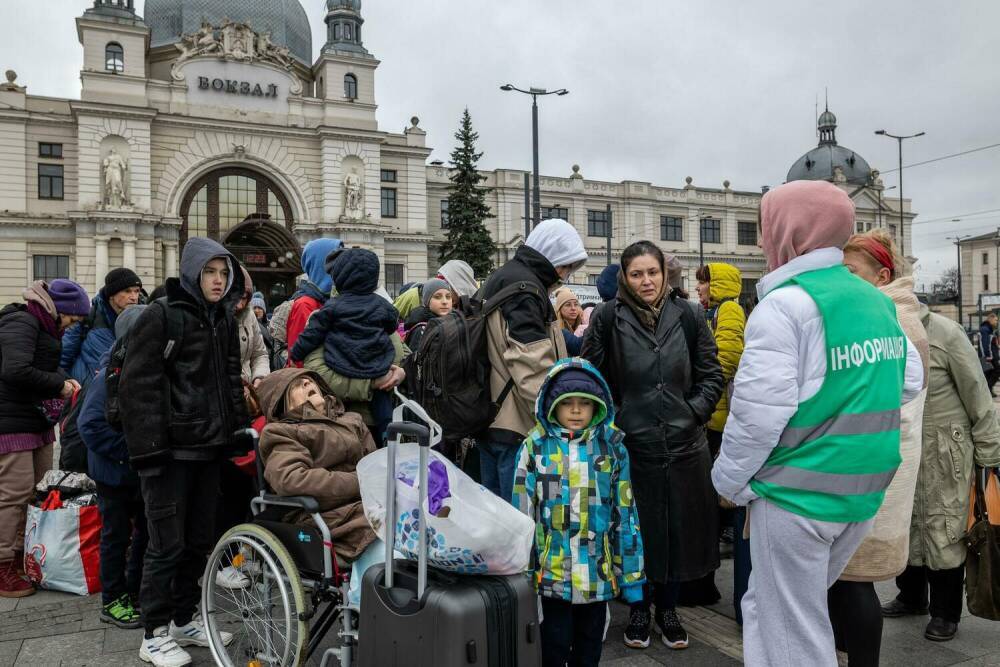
231 41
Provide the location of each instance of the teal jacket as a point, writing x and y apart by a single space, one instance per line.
577 489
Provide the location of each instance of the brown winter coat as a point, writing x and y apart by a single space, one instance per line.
315 453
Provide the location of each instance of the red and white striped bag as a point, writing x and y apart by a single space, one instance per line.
62 546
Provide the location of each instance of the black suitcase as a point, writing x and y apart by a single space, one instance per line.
415 617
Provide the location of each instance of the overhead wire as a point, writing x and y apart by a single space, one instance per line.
938 159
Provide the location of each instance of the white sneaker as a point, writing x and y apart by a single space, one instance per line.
193 634
162 650
231 578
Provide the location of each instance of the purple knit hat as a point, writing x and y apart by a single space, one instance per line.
69 298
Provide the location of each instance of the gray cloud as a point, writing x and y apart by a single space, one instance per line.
663 89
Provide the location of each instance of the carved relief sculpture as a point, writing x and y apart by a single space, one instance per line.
353 196
115 178
231 41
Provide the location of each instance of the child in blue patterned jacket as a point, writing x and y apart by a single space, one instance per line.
573 479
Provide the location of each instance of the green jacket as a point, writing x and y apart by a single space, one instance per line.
960 431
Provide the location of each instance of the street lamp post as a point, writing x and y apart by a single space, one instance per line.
535 94
899 140
958 245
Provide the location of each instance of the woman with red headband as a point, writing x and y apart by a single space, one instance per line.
855 610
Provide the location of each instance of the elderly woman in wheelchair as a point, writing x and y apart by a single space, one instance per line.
308 530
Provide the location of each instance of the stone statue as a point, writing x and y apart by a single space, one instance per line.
238 40
353 199
838 174
115 178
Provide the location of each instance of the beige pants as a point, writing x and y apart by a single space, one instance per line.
19 472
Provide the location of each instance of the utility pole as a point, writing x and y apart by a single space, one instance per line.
527 205
899 140
958 245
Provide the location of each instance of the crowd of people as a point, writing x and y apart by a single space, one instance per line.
828 439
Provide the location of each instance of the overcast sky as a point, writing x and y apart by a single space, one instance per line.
662 89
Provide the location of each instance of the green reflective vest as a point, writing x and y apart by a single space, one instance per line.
840 450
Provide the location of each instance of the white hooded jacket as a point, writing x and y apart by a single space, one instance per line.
783 365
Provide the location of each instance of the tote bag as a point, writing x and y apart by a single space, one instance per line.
62 546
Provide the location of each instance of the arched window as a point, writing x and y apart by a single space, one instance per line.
114 57
222 199
350 87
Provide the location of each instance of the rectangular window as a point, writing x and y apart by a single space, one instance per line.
50 150
444 214
746 233
711 230
388 202
986 282
388 175
671 228
592 278
892 232
50 267
748 288
597 223
50 181
393 279
560 212
986 258
860 227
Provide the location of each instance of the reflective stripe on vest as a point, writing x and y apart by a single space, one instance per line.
861 424
825 482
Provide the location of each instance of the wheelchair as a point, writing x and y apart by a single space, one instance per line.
295 592
296 588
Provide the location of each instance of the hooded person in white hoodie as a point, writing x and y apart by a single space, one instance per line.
812 439
524 342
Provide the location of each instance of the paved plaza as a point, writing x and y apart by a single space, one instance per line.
61 630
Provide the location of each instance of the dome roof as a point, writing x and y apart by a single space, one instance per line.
285 19
827 119
819 164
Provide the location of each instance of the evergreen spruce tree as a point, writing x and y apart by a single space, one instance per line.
468 239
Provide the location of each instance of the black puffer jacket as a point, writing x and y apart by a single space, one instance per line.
664 397
189 407
29 371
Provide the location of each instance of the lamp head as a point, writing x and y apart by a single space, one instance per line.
507 87
879 131
562 92
919 134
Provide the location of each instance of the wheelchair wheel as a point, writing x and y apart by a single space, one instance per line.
263 609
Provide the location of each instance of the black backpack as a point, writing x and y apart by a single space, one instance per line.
112 377
72 450
449 372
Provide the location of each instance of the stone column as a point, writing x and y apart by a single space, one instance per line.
169 260
128 253
100 260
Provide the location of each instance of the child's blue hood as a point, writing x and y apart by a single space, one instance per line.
558 369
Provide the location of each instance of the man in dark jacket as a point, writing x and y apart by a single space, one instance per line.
524 342
118 496
181 402
84 344
988 349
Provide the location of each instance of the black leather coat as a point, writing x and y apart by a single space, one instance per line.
189 407
664 397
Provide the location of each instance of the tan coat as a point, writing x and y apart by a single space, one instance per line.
254 360
960 431
315 453
884 552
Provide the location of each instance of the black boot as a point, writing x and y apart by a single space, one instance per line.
940 630
897 608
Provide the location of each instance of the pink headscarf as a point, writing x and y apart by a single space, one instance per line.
803 216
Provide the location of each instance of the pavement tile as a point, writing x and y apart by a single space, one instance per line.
120 659
117 640
8 652
54 650
909 650
632 661
7 604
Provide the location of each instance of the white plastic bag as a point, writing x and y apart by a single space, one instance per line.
474 531
62 546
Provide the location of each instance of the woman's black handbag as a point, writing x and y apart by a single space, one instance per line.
982 564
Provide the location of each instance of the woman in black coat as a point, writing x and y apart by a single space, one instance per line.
30 380
656 351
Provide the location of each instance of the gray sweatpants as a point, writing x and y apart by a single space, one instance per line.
795 561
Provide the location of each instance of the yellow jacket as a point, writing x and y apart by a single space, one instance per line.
728 330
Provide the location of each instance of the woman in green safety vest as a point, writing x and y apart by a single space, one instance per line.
812 439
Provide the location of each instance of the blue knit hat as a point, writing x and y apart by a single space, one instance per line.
575 382
607 282
258 302
69 298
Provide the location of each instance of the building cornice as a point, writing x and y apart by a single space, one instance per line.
350 134
27 220
118 111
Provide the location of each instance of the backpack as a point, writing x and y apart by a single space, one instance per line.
449 372
72 450
112 377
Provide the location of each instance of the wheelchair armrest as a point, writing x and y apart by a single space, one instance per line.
307 504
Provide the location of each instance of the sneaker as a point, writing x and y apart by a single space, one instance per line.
246 562
162 650
673 633
121 613
637 632
193 634
940 630
13 585
231 578
896 608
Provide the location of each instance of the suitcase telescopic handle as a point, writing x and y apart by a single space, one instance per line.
423 436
